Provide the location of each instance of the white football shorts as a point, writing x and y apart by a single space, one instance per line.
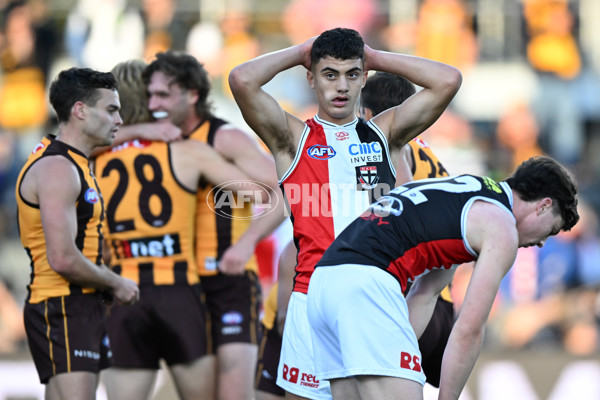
296 370
360 326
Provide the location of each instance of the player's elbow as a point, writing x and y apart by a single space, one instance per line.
450 81
239 80
61 262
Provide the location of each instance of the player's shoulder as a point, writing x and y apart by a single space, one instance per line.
191 147
55 171
231 135
54 164
493 214
492 224
230 141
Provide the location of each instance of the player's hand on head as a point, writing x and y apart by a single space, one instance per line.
306 48
369 52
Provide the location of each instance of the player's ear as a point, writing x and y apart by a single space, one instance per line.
192 95
366 113
79 110
544 204
310 78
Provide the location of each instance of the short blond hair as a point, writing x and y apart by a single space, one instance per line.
132 91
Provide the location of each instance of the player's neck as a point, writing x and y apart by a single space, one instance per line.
192 123
75 138
336 121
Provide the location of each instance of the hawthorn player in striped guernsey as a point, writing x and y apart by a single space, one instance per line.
333 164
418 233
150 189
226 233
60 216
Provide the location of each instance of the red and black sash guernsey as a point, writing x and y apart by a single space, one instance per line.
417 227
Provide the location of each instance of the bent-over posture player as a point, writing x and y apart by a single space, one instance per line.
419 232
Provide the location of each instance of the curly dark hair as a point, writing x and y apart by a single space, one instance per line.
340 43
78 84
187 72
541 177
384 90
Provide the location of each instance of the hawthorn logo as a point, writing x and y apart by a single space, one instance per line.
224 199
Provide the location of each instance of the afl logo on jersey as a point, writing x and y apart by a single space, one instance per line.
91 196
321 152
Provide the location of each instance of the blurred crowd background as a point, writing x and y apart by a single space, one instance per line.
531 85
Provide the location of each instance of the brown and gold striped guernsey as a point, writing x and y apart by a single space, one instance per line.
215 233
425 163
150 216
45 282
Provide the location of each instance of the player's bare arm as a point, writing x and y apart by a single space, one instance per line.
244 151
236 257
403 162
193 160
422 297
162 131
246 154
286 265
59 221
440 83
278 129
492 233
